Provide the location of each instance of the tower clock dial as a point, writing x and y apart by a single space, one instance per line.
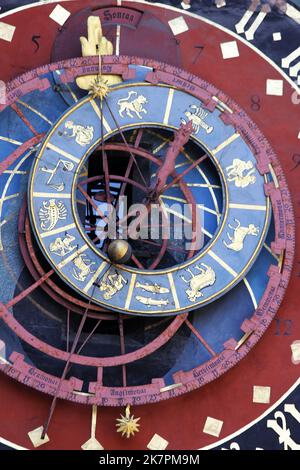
147 227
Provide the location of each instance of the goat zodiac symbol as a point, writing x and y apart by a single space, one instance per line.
239 235
241 173
197 116
132 106
198 282
82 267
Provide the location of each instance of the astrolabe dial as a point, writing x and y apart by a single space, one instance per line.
151 155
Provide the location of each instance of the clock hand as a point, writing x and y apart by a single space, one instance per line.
182 136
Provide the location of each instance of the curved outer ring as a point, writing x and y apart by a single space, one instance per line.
259 322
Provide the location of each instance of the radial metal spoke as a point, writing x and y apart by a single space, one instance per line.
185 172
29 289
200 338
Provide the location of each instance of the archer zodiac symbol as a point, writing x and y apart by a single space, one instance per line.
65 166
50 213
111 283
83 135
198 282
197 116
239 235
62 246
82 267
241 173
134 105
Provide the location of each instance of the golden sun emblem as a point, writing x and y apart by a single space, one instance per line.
99 88
128 424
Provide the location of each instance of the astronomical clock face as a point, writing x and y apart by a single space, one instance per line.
149 167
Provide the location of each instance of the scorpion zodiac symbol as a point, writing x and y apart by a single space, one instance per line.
197 116
198 282
50 213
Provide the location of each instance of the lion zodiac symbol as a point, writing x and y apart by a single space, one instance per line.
50 213
198 282
239 235
241 173
132 106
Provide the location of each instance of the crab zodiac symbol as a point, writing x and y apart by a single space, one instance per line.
83 135
239 235
198 282
82 267
241 173
197 116
62 246
134 105
50 213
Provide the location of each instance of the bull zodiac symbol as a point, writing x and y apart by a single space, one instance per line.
50 213
198 282
82 267
65 165
134 105
239 235
241 173
83 135
197 116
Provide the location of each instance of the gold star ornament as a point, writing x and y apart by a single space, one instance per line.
128 424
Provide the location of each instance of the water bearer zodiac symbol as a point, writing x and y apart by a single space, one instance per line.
50 213
62 246
198 282
241 173
134 105
61 164
83 135
111 283
239 235
197 116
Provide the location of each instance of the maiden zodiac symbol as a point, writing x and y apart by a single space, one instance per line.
134 106
50 213
111 283
82 267
197 116
62 246
198 282
239 235
241 173
83 135
65 165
